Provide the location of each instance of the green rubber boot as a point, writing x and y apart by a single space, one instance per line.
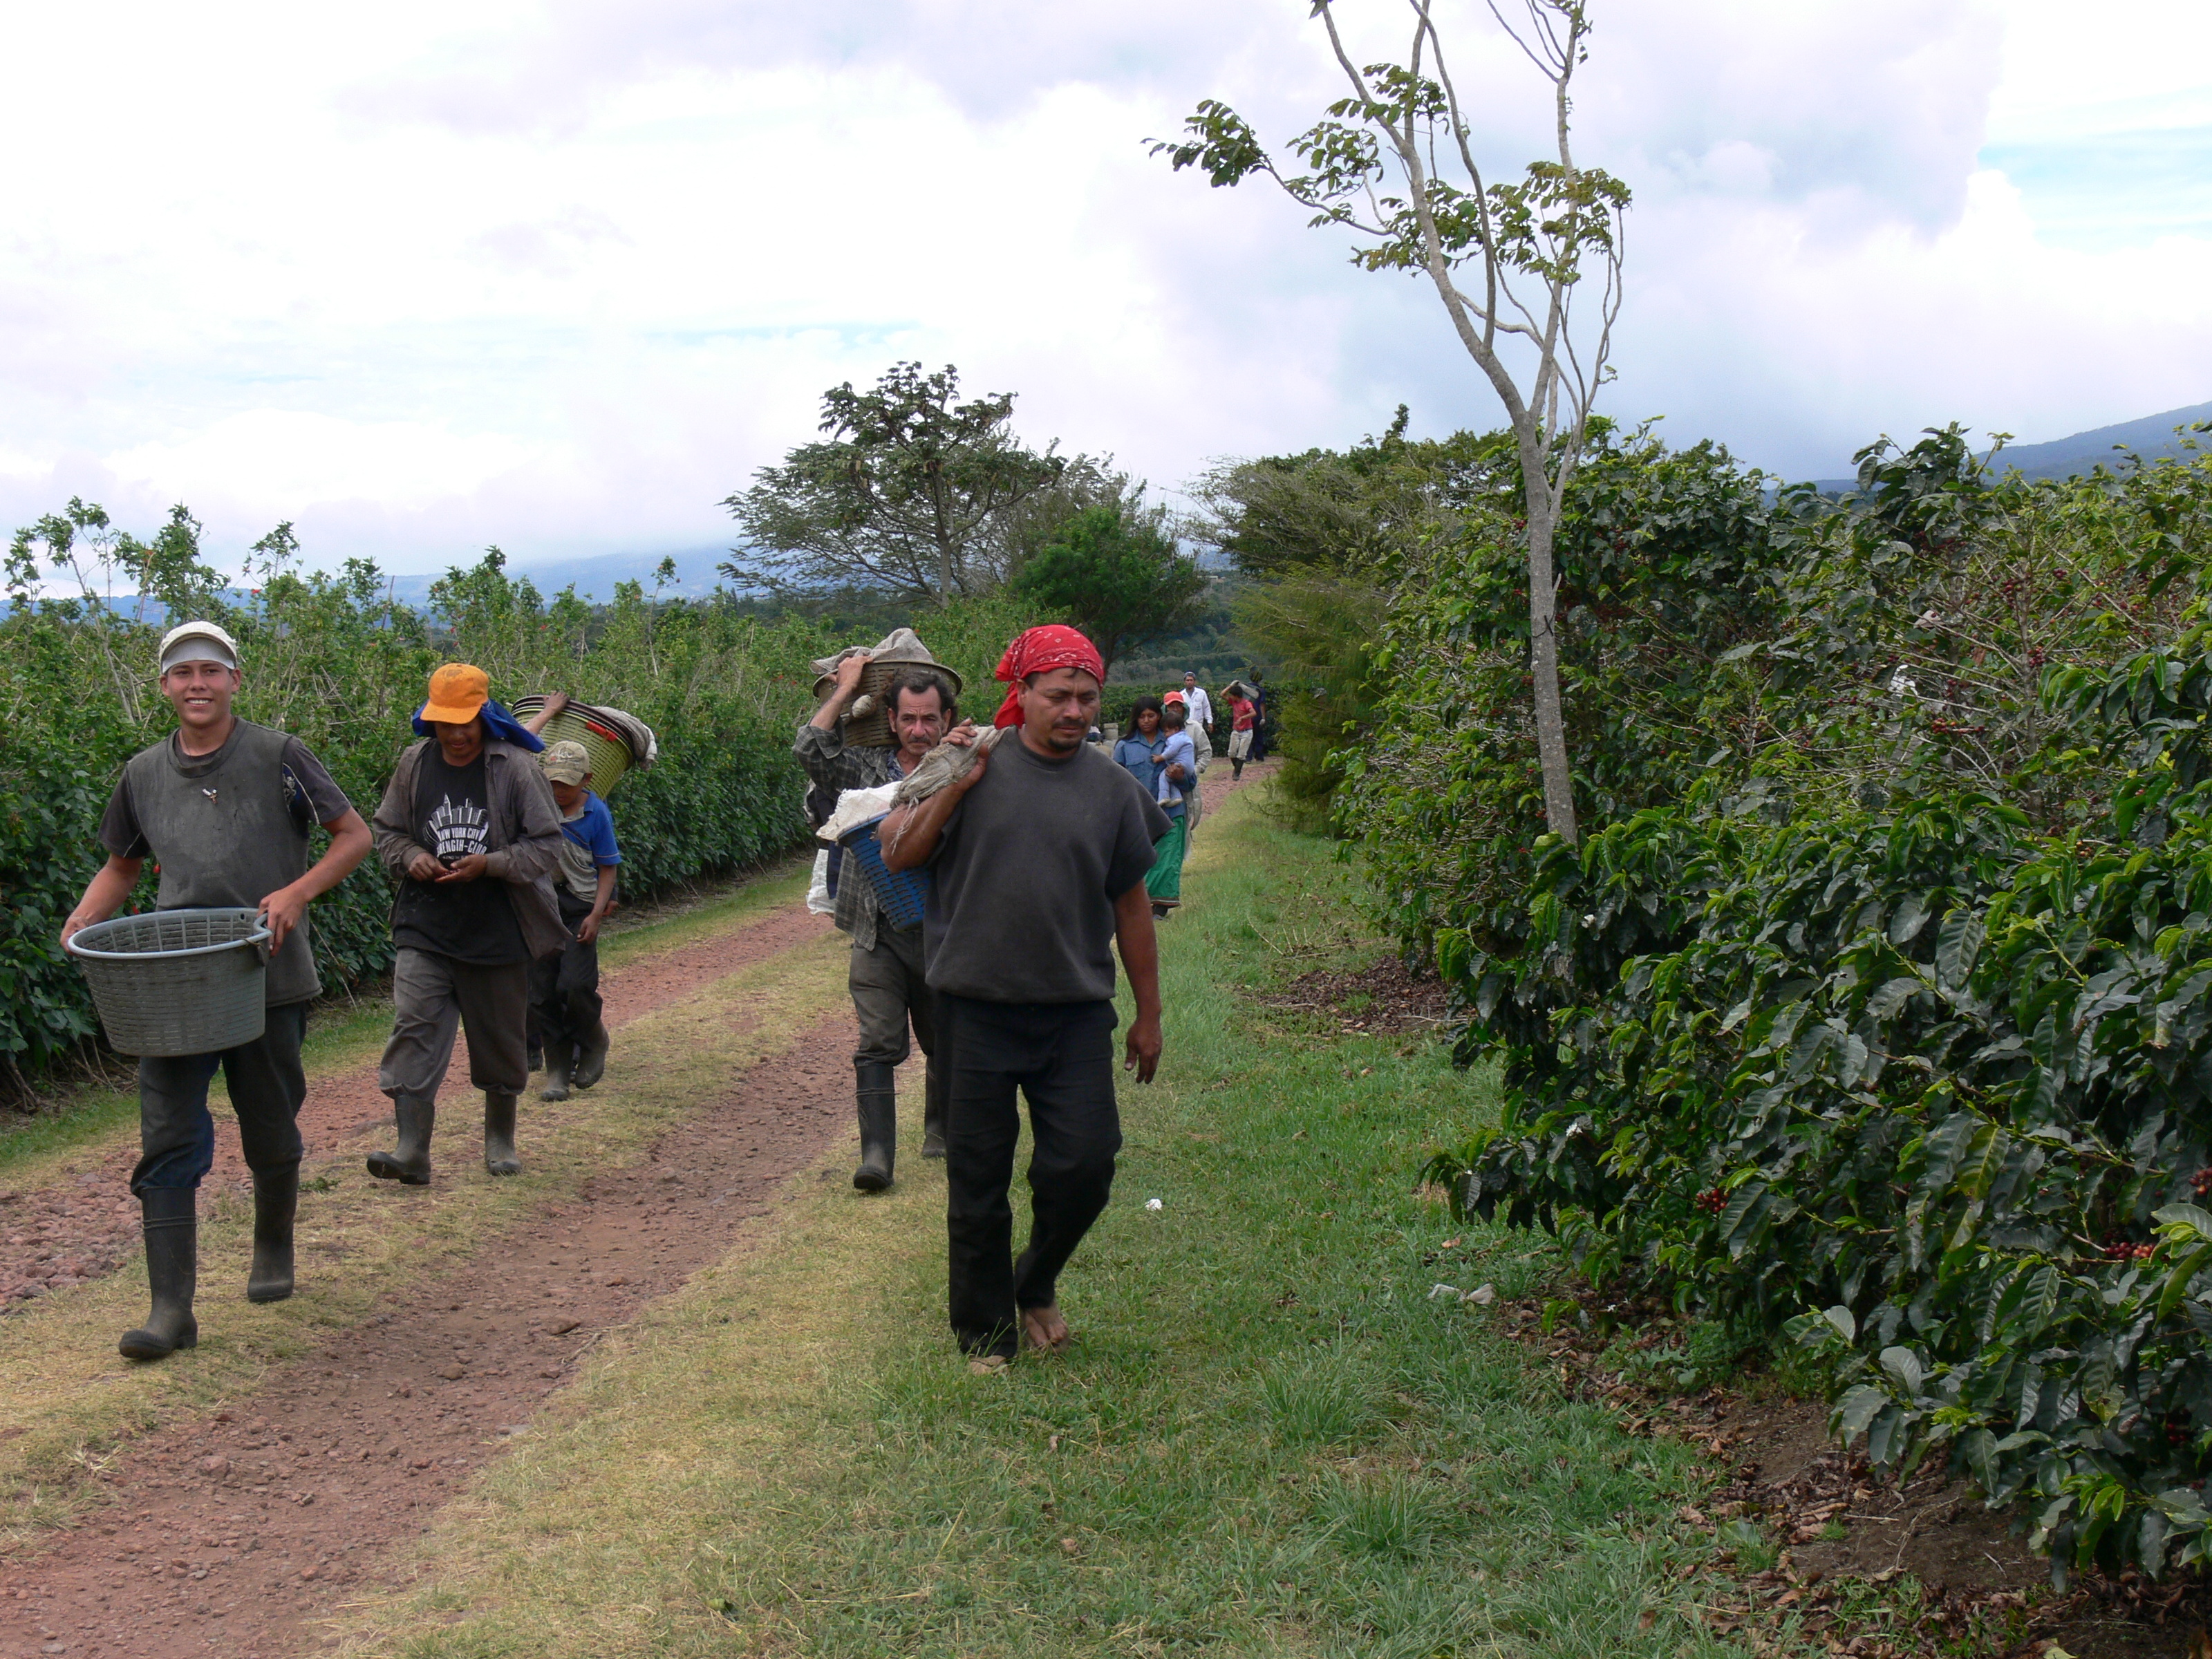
499 1135
417 1116
170 1216
275 1208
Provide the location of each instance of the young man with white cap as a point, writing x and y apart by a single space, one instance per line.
223 807
470 836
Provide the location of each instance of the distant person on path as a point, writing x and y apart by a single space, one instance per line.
1243 716
1178 773
470 833
1202 718
1039 853
564 989
223 807
1138 753
1259 717
885 976
1192 799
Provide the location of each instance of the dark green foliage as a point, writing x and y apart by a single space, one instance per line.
332 661
1114 572
1872 1010
1326 534
1319 632
1670 564
910 493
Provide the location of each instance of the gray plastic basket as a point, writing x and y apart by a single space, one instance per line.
177 981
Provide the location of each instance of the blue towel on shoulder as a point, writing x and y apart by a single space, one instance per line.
497 721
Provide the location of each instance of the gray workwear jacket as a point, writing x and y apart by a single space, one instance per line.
525 835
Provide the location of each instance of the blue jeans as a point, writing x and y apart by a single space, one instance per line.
176 1130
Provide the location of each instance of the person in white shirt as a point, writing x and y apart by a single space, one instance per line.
1201 707
1201 712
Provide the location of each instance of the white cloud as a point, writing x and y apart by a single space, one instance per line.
560 274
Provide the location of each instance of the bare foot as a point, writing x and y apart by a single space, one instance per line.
1043 1329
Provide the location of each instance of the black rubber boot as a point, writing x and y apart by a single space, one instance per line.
937 1095
878 1100
556 1078
171 1217
276 1207
592 1064
416 1115
499 1135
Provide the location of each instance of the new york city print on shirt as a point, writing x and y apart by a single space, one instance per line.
456 831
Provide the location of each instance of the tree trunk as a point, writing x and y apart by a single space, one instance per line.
1544 657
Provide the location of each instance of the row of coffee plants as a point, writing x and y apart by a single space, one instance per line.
337 661
1875 1010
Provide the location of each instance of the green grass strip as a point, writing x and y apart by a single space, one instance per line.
1270 1438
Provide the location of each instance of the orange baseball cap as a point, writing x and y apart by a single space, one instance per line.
459 692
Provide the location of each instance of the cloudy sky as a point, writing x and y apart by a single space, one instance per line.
561 274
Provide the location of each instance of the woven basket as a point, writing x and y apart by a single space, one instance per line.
609 751
873 729
902 893
177 981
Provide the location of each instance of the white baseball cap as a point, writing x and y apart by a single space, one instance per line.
197 641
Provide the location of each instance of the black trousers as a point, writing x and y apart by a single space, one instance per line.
1060 1056
176 1130
565 1004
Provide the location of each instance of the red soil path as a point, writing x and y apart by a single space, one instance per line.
232 1534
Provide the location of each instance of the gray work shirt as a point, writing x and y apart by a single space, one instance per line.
227 829
1027 871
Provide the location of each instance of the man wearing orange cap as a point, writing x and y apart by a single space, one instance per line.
470 834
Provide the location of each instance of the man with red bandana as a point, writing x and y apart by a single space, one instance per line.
1039 852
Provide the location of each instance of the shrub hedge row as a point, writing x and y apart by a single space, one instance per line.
1873 1011
334 660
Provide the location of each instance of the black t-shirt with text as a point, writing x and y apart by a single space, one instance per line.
471 922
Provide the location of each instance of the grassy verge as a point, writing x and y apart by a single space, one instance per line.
344 1032
1270 1437
66 1400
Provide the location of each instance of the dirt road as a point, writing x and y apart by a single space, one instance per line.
232 1529
231 1507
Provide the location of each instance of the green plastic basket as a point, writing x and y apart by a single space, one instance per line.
609 749
174 983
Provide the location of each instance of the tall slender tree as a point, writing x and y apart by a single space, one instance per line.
1394 163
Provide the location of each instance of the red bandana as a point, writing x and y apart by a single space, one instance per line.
1038 652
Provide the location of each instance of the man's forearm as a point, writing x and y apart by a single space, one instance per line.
1139 945
832 710
104 893
909 836
350 844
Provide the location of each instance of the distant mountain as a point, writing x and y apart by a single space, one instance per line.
2150 437
595 579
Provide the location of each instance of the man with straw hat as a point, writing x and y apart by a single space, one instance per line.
223 807
470 832
882 711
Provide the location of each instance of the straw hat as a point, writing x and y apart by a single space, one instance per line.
867 723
